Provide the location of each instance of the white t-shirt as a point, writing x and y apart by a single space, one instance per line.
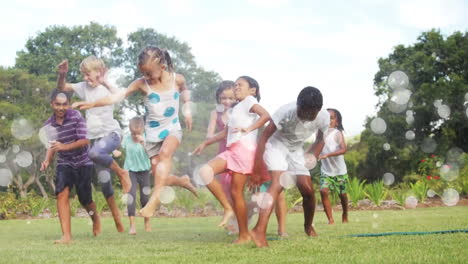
291 131
333 166
241 117
99 120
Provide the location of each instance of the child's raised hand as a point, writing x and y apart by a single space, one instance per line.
199 149
63 67
116 153
102 77
82 105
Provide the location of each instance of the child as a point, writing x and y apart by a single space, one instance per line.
333 170
280 150
138 164
162 89
74 168
241 131
103 129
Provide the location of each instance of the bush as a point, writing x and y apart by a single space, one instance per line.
376 192
356 190
420 189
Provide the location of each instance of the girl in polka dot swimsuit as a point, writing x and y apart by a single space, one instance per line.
163 89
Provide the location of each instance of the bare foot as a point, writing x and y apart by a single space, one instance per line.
146 211
331 222
259 239
63 240
132 230
232 229
147 227
242 240
96 225
125 181
227 215
283 234
187 184
310 231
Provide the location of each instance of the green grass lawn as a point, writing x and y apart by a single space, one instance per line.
198 240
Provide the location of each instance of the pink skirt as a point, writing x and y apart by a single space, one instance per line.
240 157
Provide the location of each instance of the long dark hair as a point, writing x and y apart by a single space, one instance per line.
151 53
252 84
338 118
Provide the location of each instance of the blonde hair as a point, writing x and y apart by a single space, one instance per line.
92 63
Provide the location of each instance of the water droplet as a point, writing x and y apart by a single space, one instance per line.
5 177
126 198
386 146
104 176
24 159
428 145
444 111
410 135
146 190
310 161
2 158
264 200
378 125
411 202
398 80
22 129
203 175
219 108
431 193
167 195
287 179
388 178
450 197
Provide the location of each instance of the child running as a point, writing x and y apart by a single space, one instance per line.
103 130
162 88
280 149
74 168
241 132
138 164
333 176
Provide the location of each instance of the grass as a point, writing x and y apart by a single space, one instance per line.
198 240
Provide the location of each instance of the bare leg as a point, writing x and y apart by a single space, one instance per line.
281 211
63 208
183 181
147 224
327 205
207 172
115 213
132 229
161 165
123 176
306 188
258 233
240 208
344 204
94 217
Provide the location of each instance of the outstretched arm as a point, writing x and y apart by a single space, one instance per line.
264 116
218 137
62 85
48 159
317 147
211 125
109 100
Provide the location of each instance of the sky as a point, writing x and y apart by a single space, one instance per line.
285 45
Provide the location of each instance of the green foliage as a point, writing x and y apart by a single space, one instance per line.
356 190
45 51
436 67
36 204
420 189
100 201
399 196
9 205
376 192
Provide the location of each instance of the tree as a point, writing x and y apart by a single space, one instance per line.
44 52
425 113
24 107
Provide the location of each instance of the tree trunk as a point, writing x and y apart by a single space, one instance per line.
41 187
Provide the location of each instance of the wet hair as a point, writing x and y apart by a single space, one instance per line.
92 63
310 99
155 54
338 118
252 84
223 86
136 122
56 92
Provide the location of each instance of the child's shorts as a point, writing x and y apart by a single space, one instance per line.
279 158
334 183
153 148
67 176
239 157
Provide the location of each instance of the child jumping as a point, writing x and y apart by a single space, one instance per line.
163 89
241 132
333 176
103 130
280 149
74 168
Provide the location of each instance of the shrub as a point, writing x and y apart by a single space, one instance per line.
356 190
376 192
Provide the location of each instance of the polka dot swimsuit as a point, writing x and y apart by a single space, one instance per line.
162 113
